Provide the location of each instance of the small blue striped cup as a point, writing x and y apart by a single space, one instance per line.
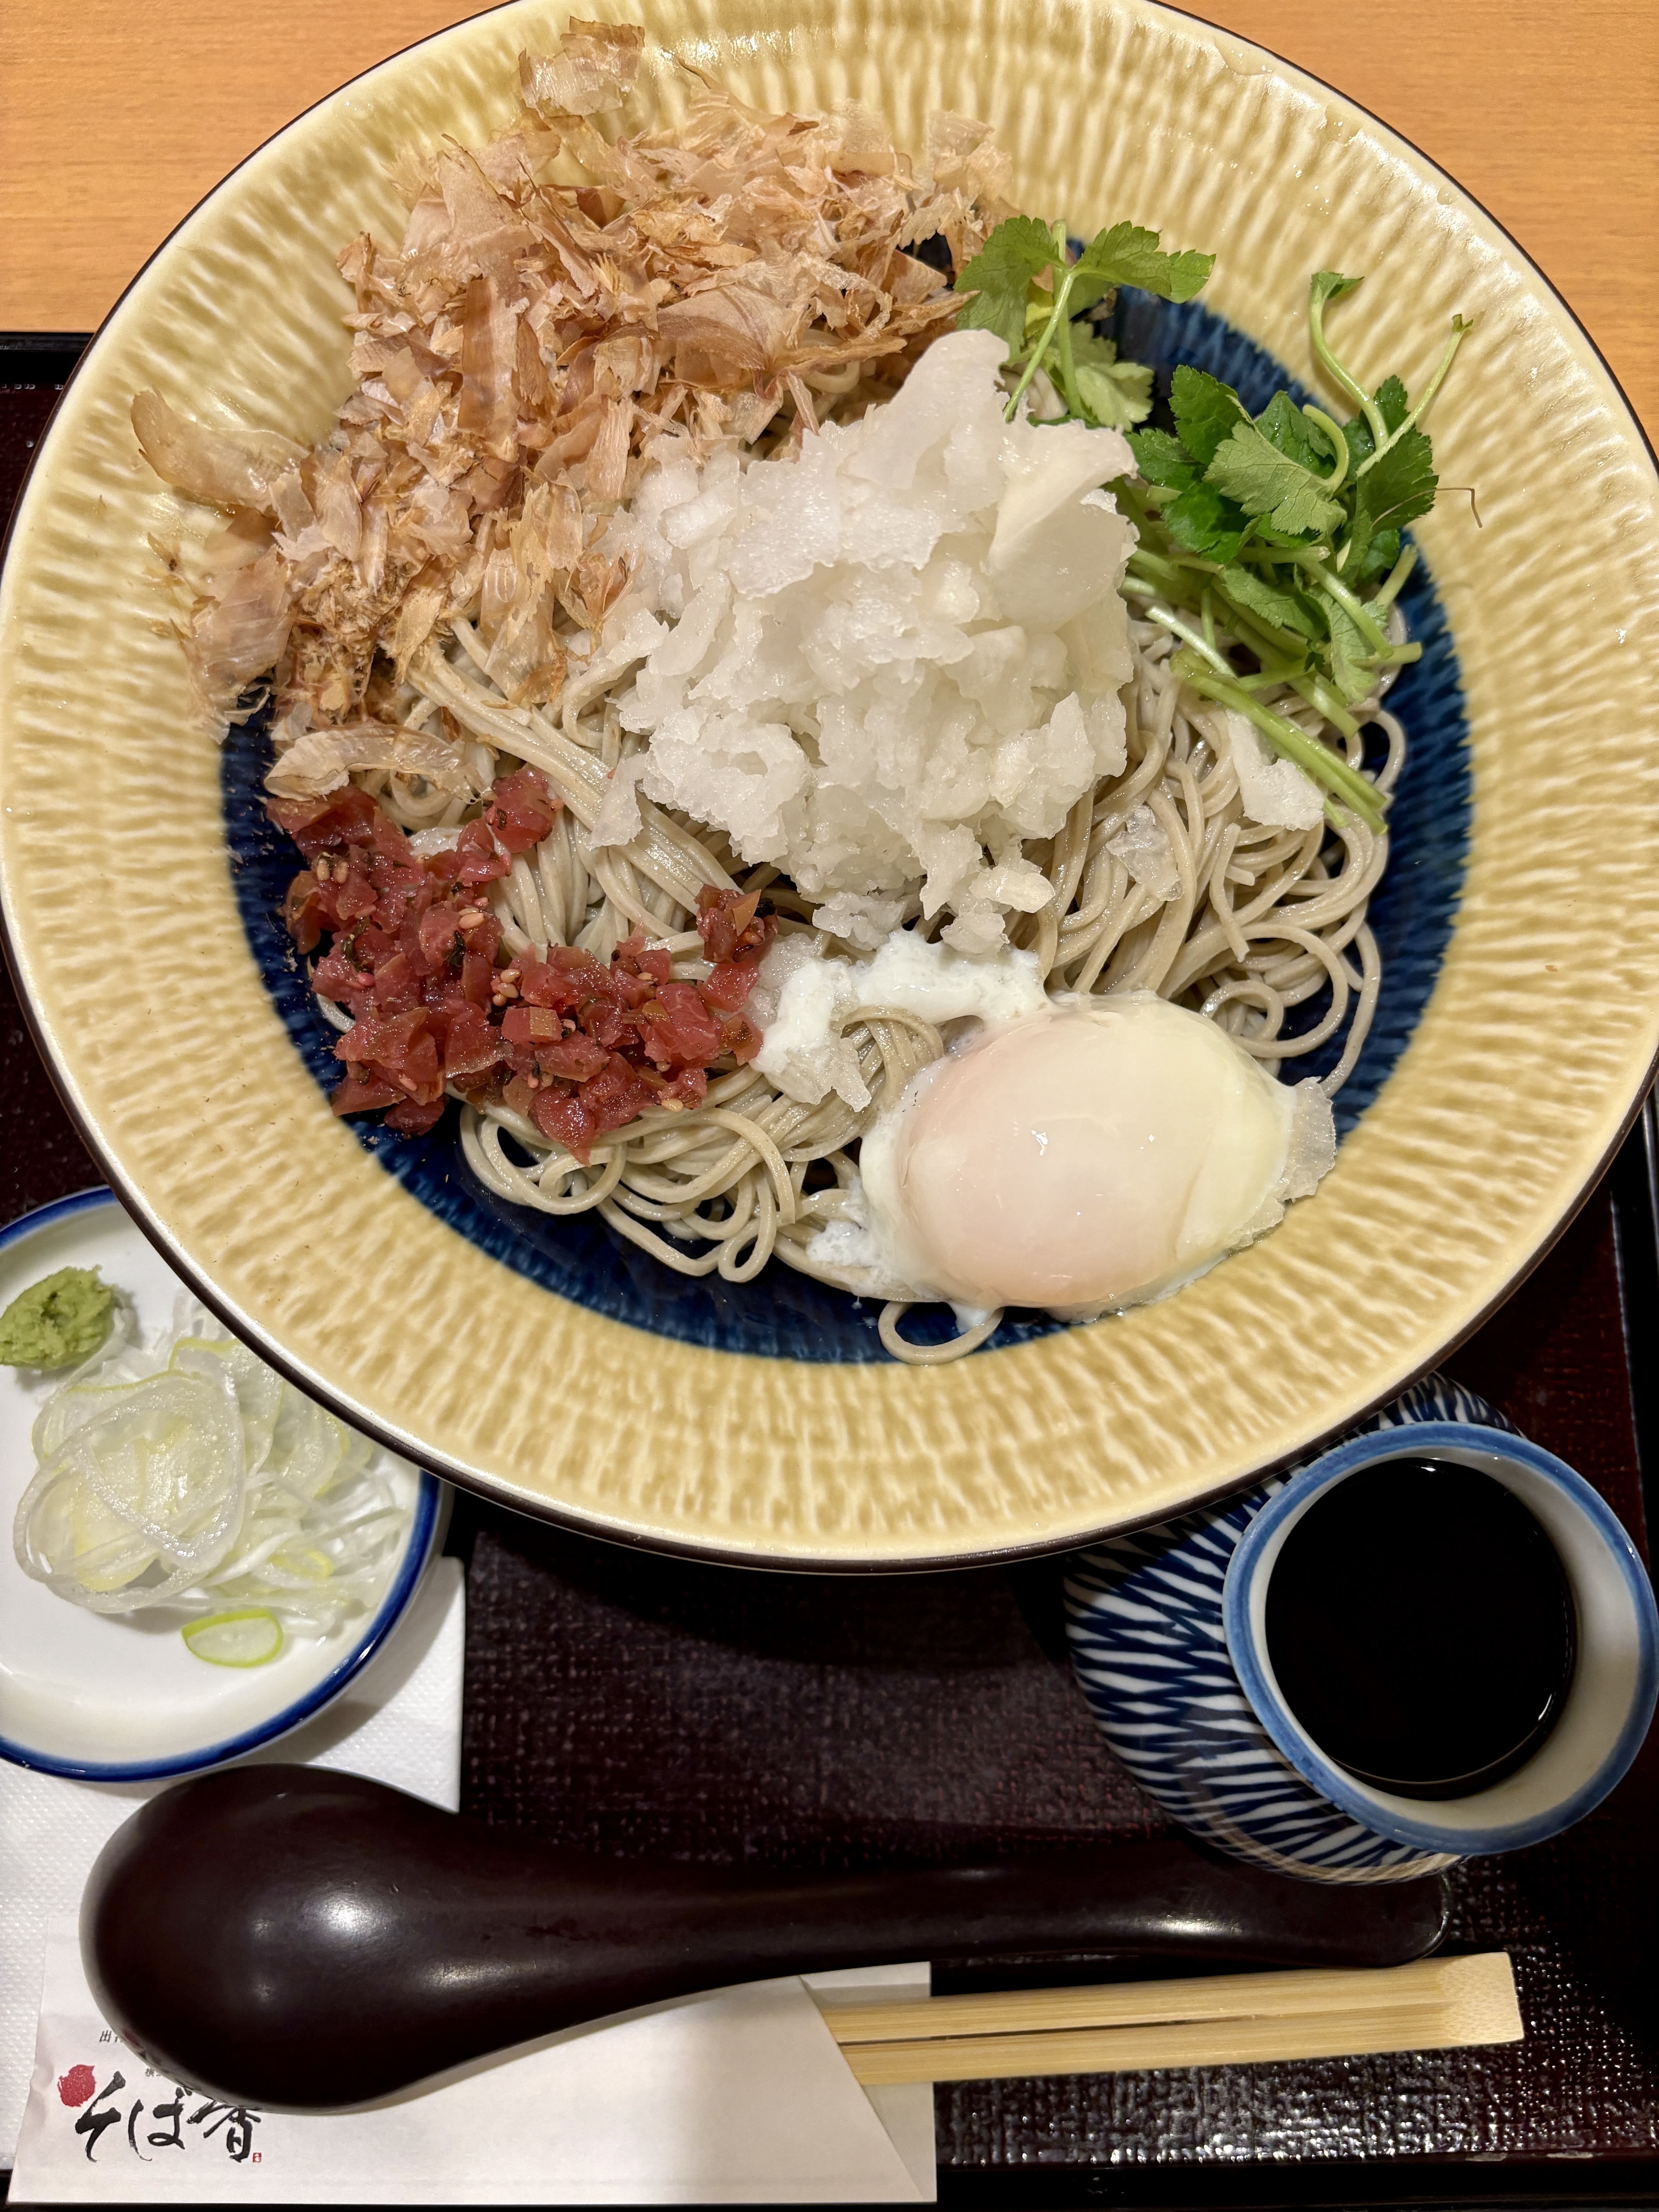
1167 1641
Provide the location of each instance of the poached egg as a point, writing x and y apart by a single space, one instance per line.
1091 1155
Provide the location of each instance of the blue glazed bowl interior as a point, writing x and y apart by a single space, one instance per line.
1615 1677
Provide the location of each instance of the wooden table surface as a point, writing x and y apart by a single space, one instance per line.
115 120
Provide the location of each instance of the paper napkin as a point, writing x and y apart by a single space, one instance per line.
740 2096
400 1721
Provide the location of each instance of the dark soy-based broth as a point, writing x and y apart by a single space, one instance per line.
1421 1628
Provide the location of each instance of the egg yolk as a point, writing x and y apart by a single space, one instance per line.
1079 1161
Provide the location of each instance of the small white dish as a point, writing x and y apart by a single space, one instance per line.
103 1699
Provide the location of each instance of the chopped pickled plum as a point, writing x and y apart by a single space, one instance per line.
577 1044
318 825
730 924
678 1030
576 1058
615 1095
302 912
359 1094
470 1045
564 1117
521 810
730 984
413 1120
478 858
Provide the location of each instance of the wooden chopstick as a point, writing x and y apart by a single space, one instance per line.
1224 2020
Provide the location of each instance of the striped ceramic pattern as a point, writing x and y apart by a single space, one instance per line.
1517 1080
1144 1619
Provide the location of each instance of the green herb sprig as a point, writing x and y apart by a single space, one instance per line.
1007 280
1279 534
1282 533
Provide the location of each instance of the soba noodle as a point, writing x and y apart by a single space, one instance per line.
1262 921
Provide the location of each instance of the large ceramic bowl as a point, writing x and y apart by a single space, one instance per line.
542 1365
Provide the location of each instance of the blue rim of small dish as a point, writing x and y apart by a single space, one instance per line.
411 1569
1375 1812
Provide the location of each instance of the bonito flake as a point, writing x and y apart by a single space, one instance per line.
895 654
560 301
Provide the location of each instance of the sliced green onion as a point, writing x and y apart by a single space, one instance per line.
250 1638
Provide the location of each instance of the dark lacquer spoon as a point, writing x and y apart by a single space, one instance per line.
285 1937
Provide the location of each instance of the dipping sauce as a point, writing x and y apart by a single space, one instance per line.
1421 1628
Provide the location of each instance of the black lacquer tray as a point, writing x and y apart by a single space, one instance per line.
634 1705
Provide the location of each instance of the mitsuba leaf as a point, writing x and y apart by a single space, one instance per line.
1360 532
1327 285
1206 411
1001 274
1264 481
1117 393
1368 563
1393 405
1284 609
1283 425
1402 485
1090 344
1162 459
1201 521
1361 444
1393 402
1126 254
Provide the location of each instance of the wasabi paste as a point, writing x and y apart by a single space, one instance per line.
58 1320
